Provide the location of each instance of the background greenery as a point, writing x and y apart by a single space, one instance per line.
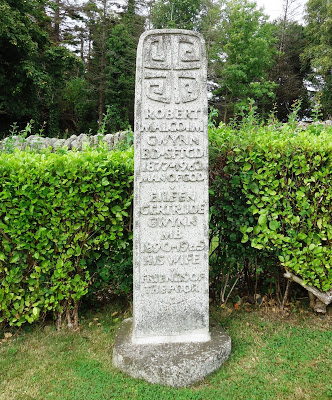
65 217
68 63
270 205
60 215
66 220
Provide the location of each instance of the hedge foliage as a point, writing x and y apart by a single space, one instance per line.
271 197
65 217
59 212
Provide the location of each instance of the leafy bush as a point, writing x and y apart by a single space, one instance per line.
271 197
65 217
58 211
112 273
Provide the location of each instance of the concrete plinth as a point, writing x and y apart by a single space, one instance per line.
171 364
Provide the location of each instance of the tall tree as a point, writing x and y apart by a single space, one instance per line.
243 54
318 51
102 49
32 69
112 30
240 47
209 25
99 19
289 9
63 15
182 14
289 73
120 72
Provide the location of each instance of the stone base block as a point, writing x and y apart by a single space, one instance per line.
171 364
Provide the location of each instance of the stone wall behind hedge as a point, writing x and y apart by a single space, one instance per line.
73 142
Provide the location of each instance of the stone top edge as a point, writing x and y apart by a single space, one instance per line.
152 32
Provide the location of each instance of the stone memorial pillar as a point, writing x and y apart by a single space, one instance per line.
169 340
171 199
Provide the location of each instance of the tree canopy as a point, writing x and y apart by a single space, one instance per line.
32 69
318 51
72 64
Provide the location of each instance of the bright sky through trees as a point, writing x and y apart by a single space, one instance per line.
274 8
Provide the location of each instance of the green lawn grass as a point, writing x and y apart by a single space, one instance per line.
274 356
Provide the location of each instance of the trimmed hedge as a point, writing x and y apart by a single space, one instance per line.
271 197
58 213
65 218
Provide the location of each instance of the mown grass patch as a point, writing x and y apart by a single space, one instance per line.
273 357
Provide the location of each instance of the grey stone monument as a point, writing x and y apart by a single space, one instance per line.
169 340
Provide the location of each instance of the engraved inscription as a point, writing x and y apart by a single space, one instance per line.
174 282
172 196
173 209
175 140
173 276
172 153
166 247
172 222
183 165
173 259
169 113
164 289
172 126
171 235
171 179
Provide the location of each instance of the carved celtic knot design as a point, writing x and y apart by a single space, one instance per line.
170 68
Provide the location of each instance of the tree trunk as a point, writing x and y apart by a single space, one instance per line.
71 317
285 298
102 68
57 22
88 68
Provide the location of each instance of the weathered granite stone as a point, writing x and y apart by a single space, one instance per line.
116 138
83 138
52 141
11 142
109 139
46 143
67 143
81 141
97 140
14 142
171 364
122 135
38 142
58 143
92 141
74 144
35 142
71 140
31 138
170 341
171 299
